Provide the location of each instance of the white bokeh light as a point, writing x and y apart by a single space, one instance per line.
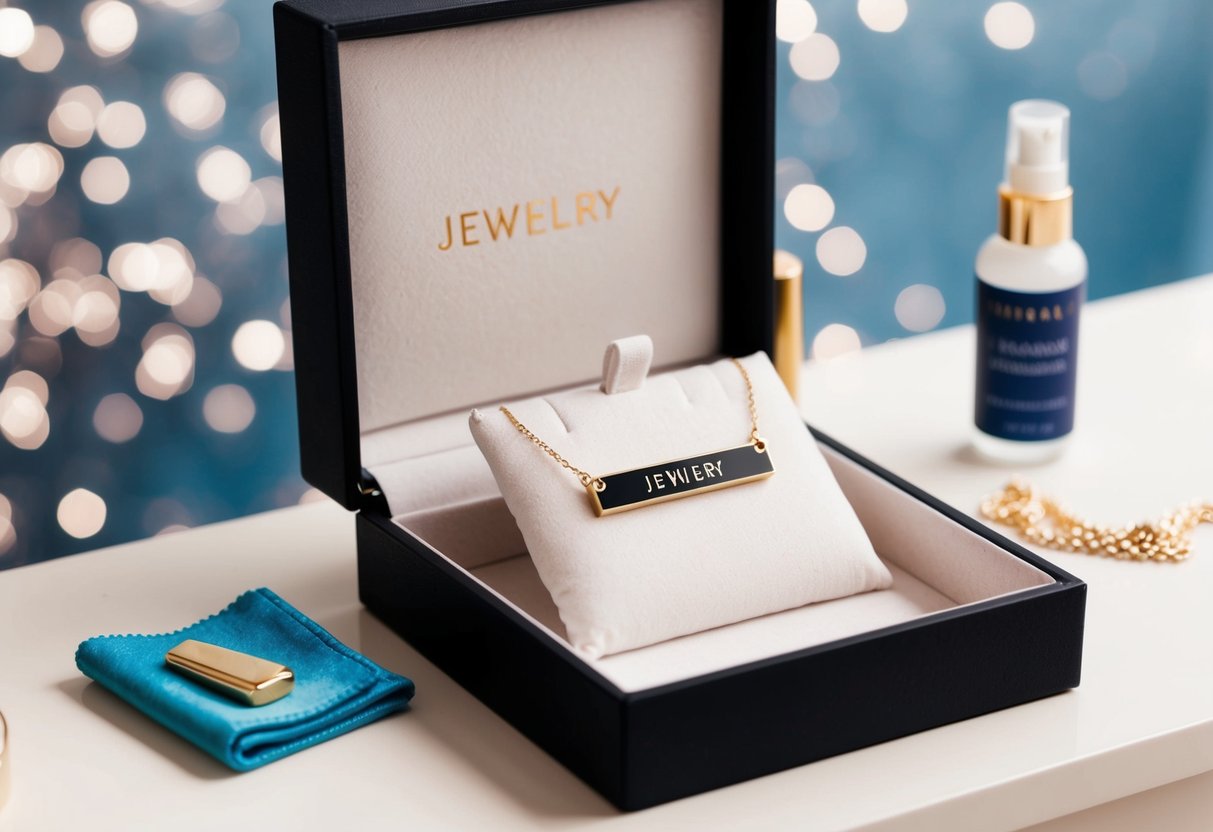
258 345
919 307
45 52
34 167
164 269
271 134
194 101
110 27
223 175
8 530
795 20
8 336
16 32
19 284
70 124
122 124
883 15
50 312
228 409
95 310
834 340
809 207
1010 25
32 382
841 251
105 180
23 418
74 118
133 266
8 224
815 58
167 366
117 418
167 362
11 197
174 277
81 513
87 95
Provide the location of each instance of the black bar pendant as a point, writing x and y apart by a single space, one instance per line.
626 490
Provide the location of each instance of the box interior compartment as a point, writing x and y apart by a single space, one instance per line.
449 500
622 103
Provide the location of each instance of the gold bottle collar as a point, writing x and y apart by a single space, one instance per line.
1035 220
789 319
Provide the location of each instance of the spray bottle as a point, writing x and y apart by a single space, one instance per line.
1031 284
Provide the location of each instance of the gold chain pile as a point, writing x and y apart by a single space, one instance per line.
1042 521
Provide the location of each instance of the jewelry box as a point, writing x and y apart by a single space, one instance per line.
480 194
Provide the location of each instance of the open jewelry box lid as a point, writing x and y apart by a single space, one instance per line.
629 146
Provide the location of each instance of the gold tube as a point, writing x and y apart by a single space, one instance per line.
789 319
1032 220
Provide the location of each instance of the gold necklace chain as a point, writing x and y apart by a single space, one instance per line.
588 479
1043 521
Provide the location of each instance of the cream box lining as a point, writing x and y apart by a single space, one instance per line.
531 112
449 500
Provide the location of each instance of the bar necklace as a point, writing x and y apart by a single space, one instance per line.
638 487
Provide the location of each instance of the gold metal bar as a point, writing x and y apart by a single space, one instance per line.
240 676
789 319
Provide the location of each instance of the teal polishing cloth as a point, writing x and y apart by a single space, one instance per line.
336 689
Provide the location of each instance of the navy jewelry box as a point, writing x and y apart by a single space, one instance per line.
479 196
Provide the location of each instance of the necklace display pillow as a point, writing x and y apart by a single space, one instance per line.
670 567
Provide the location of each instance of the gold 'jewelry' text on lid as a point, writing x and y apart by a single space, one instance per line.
245 678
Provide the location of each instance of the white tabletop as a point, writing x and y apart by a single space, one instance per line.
1142 717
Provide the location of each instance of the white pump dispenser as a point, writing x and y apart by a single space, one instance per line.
1038 148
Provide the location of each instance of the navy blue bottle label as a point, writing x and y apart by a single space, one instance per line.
1027 351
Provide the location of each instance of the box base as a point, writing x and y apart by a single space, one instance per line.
648 746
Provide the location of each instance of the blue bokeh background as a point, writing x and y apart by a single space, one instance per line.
915 153
905 135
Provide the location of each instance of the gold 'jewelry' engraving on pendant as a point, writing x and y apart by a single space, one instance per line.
639 487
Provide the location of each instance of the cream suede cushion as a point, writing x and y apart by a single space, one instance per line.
680 567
